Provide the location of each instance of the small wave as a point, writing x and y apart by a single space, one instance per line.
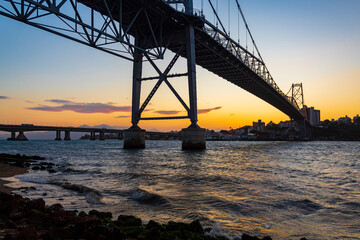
91 195
71 170
143 196
306 206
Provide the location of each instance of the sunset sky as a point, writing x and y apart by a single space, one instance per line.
48 80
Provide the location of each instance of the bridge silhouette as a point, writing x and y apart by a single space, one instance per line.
143 30
95 133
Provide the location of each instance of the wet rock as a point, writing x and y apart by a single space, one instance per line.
82 214
101 215
35 168
28 233
54 208
155 225
51 171
196 227
248 237
38 204
16 214
128 220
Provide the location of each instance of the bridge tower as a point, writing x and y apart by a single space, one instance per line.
193 137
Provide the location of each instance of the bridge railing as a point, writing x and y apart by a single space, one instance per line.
246 57
249 59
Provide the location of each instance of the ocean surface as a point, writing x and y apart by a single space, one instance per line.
287 190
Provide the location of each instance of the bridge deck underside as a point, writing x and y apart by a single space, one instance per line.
209 53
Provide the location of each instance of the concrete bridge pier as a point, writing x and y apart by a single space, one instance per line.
58 136
67 136
193 138
12 136
92 136
120 136
102 136
134 137
21 137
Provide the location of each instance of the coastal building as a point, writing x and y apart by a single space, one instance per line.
312 115
259 126
285 124
356 118
345 119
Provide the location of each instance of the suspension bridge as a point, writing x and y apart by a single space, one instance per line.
144 30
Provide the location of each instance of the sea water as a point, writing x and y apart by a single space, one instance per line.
287 190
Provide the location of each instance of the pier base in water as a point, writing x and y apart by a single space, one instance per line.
21 137
193 138
134 137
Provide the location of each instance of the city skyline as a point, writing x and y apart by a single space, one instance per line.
47 79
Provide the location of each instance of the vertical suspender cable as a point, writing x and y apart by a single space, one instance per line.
229 16
238 27
248 30
217 11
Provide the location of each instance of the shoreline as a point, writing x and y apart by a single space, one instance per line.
7 170
22 218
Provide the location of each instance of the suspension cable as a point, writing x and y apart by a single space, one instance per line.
248 30
229 16
217 16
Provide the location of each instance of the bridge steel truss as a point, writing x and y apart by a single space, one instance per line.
143 30
133 30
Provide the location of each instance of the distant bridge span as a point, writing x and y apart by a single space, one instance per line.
145 29
21 129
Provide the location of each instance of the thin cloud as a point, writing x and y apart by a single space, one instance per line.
168 112
122 117
84 108
59 101
4 97
202 111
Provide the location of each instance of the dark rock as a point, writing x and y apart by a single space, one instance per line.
28 233
173 226
248 237
82 214
54 208
42 168
11 224
16 214
267 238
127 220
102 215
37 204
155 225
44 194
196 227
303 239
51 171
35 168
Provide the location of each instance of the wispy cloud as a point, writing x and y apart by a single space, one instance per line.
173 112
83 108
4 97
122 117
59 101
201 111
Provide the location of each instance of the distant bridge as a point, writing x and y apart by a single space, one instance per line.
21 129
143 30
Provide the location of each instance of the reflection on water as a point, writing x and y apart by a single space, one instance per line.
283 189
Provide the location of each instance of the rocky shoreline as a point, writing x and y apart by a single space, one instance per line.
22 218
